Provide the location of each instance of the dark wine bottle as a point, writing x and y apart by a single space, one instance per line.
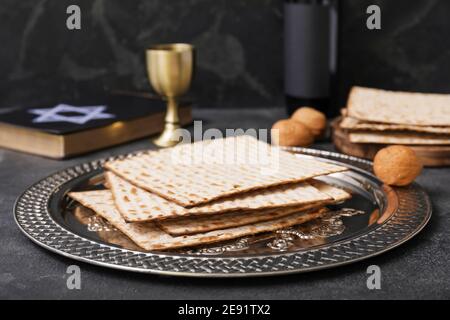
310 54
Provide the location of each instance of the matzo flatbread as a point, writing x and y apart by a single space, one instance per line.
149 237
138 205
399 138
358 125
335 193
241 168
375 105
202 224
108 233
191 225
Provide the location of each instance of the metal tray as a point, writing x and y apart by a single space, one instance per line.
376 219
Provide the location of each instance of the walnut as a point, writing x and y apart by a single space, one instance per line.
397 165
312 118
291 133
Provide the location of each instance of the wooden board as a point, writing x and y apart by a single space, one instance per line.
431 156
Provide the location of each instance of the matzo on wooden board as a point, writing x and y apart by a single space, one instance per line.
150 237
358 125
239 170
199 224
399 138
137 205
376 105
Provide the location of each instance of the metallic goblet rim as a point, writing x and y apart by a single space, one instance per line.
177 47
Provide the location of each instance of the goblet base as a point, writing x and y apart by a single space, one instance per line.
169 137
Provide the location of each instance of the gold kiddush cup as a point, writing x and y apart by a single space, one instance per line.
170 70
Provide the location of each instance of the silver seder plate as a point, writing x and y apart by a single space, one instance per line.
376 219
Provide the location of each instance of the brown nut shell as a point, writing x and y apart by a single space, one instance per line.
315 120
397 165
291 133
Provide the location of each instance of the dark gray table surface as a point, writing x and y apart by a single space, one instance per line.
417 269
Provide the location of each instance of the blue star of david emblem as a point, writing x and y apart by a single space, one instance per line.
86 114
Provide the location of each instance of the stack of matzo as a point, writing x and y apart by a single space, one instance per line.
161 202
388 117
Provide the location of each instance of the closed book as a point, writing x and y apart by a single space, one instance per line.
64 130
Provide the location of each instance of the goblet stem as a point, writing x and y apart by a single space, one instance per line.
172 111
170 135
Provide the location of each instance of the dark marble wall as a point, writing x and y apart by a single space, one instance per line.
239 48
410 52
